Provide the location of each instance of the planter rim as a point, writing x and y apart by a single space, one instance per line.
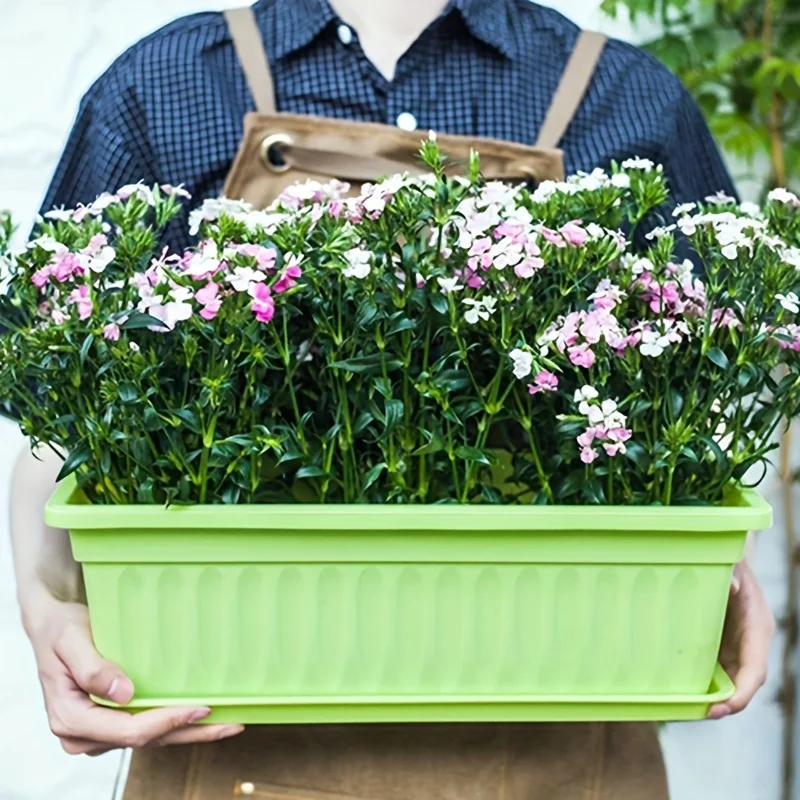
745 510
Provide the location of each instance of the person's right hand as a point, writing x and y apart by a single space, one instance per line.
70 669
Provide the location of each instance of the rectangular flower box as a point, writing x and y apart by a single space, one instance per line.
311 613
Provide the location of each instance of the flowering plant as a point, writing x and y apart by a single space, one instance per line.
434 339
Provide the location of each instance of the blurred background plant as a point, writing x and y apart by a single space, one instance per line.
741 61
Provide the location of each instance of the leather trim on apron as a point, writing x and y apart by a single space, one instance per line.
279 149
406 762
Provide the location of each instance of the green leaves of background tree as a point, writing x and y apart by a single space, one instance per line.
741 61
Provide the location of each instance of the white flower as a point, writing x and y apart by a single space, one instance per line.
134 347
213 209
103 202
684 209
243 277
781 195
140 190
431 136
791 256
684 271
60 214
206 261
621 181
658 233
586 393
720 199
479 309
358 259
99 262
449 285
751 209
48 243
523 363
593 413
653 344
595 231
644 164
791 302
637 265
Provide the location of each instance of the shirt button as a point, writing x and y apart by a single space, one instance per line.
345 34
407 122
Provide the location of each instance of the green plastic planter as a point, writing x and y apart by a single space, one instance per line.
281 614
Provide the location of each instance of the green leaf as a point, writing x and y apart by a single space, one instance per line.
190 419
402 324
571 485
435 445
636 453
439 303
472 454
366 364
394 414
719 455
311 472
74 460
145 494
363 421
128 392
718 357
138 320
675 402
372 476
87 344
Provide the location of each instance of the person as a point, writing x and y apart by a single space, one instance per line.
247 103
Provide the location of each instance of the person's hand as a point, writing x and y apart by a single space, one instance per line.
70 669
749 628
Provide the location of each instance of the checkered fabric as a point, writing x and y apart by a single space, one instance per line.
170 109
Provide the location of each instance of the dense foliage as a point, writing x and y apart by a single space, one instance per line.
434 339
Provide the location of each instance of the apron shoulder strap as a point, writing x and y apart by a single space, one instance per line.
252 55
572 89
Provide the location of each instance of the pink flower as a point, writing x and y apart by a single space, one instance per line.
553 237
586 439
288 279
480 254
588 455
474 281
80 297
263 306
574 234
420 281
42 276
66 266
111 332
527 268
613 449
264 256
96 244
208 297
619 434
516 233
581 355
545 381
335 208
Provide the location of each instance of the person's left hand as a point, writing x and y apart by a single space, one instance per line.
749 628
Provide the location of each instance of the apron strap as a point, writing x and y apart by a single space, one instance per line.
252 55
572 89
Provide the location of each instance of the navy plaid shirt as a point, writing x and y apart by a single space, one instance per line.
170 110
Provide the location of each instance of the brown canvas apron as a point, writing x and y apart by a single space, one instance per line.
398 762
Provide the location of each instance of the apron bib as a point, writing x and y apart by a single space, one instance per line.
398 762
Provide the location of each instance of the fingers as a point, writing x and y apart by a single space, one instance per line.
89 669
200 733
190 735
748 680
121 729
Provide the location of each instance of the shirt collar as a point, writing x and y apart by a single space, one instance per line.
298 22
491 21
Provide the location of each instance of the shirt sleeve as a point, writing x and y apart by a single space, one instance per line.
692 161
108 146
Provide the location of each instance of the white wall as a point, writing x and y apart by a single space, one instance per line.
50 52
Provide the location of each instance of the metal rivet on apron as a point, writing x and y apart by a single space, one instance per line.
271 155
